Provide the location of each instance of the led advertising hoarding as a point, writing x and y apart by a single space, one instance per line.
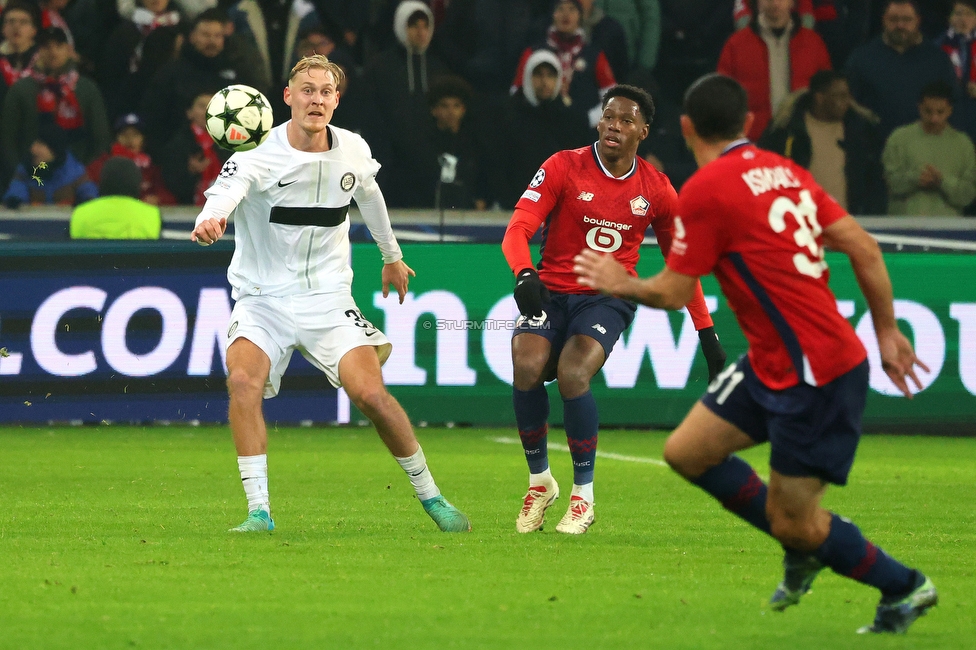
134 332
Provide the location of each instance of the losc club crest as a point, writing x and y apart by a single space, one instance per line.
347 181
639 206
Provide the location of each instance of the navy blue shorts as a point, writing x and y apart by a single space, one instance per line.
811 430
600 317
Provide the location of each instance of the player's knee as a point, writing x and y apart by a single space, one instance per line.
371 401
573 381
528 371
676 456
792 530
241 384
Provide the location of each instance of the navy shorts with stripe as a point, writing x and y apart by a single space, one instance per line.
600 317
811 430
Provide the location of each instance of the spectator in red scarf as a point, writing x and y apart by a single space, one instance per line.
586 72
959 42
51 17
54 93
129 141
18 48
119 69
190 160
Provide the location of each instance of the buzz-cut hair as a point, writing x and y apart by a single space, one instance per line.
717 106
637 95
318 62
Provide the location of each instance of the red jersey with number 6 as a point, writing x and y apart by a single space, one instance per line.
756 219
584 206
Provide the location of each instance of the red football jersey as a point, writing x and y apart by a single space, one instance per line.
584 206
756 219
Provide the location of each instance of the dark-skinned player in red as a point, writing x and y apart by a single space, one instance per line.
603 197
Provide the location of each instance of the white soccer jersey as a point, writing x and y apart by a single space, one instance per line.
291 221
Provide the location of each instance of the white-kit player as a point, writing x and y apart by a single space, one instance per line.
292 281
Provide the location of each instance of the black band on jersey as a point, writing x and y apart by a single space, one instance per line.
324 217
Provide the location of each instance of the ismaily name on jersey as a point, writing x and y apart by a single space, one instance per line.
764 179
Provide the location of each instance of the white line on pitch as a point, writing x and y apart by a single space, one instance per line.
600 454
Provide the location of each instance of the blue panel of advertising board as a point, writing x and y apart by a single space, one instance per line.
129 332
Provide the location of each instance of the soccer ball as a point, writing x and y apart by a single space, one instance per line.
239 118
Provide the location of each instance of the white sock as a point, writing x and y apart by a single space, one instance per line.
584 491
420 477
542 478
254 477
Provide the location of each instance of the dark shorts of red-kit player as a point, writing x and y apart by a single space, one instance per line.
812 430
566 314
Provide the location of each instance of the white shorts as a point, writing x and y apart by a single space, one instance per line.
322 326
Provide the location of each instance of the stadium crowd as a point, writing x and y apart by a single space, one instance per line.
462 100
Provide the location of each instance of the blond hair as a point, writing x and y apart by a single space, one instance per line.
319 62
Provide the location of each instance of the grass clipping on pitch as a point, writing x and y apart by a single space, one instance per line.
115 537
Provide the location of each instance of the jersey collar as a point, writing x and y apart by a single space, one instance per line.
735 144
606 171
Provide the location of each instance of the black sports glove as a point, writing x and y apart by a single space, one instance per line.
530 293
712 349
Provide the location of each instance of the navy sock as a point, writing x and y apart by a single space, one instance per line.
847 552
740 491
531 416
582 424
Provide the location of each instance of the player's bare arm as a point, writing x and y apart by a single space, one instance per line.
666 290
209 231
398 274
897 355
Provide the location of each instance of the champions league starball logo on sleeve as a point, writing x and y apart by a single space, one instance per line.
538 178
229 169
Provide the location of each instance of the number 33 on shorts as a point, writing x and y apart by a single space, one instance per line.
726 382
360 321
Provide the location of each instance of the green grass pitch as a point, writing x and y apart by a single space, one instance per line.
114 537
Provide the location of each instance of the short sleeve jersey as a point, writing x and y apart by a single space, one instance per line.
584 205
756 219
291 224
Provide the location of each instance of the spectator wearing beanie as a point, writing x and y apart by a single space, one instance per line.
129 143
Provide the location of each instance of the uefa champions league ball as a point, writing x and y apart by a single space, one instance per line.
239 118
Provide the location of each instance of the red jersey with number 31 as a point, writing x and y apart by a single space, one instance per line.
756 219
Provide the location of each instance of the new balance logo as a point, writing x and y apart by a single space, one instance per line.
600 328
585 196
